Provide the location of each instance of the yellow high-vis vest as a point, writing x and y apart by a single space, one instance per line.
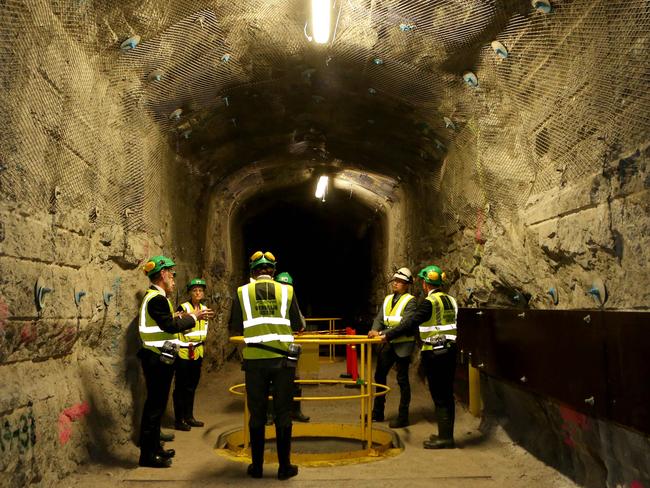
393 315
266 321
442 321
194 337
151 335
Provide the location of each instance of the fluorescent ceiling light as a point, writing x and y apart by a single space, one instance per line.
320 20
321 188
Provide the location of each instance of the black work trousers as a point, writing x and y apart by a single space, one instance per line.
186 378
440 370
386 358
258 386
158 377
295 404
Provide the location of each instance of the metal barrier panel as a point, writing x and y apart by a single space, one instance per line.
627 340
591 360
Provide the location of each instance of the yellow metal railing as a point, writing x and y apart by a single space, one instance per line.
331 329
367 391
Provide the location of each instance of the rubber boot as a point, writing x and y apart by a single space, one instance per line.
445 439
179 411
256 468
378 409
296 412
402 419
283 439
190 414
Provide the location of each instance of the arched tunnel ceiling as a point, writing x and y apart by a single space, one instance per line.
250 84
374 191
385 96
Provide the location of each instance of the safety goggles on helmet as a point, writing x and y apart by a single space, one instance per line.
260 258
432 275
156 264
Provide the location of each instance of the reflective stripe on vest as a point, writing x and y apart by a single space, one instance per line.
198 333
193 337
266 321
151 335
442 322
393 315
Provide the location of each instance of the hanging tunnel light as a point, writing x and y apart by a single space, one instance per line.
321 187
320 20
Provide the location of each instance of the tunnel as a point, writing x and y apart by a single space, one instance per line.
505 141
328 246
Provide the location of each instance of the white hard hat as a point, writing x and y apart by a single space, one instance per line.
404 274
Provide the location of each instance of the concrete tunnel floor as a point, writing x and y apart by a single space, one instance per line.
479 460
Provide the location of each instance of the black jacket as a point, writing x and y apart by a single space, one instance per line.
158 308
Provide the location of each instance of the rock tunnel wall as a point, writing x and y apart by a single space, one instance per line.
554 196
593 227
81 209
544 180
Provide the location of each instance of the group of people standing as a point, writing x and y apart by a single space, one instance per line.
172 344
266 312
398 323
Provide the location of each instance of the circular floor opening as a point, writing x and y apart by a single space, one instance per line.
318 444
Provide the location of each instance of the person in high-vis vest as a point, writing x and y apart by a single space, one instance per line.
435 319
296 409
190 357
267 314
397 306
159 328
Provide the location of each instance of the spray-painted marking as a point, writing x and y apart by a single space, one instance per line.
573 423
28 333
18 435
69 415
70 334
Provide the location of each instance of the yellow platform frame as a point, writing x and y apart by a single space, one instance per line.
331 329
376 442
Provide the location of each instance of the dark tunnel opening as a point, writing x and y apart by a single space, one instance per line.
330 248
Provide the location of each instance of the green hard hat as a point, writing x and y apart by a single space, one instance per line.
284 277
432 275
260 258
157 263
196 282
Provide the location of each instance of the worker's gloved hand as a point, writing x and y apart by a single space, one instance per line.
372 334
